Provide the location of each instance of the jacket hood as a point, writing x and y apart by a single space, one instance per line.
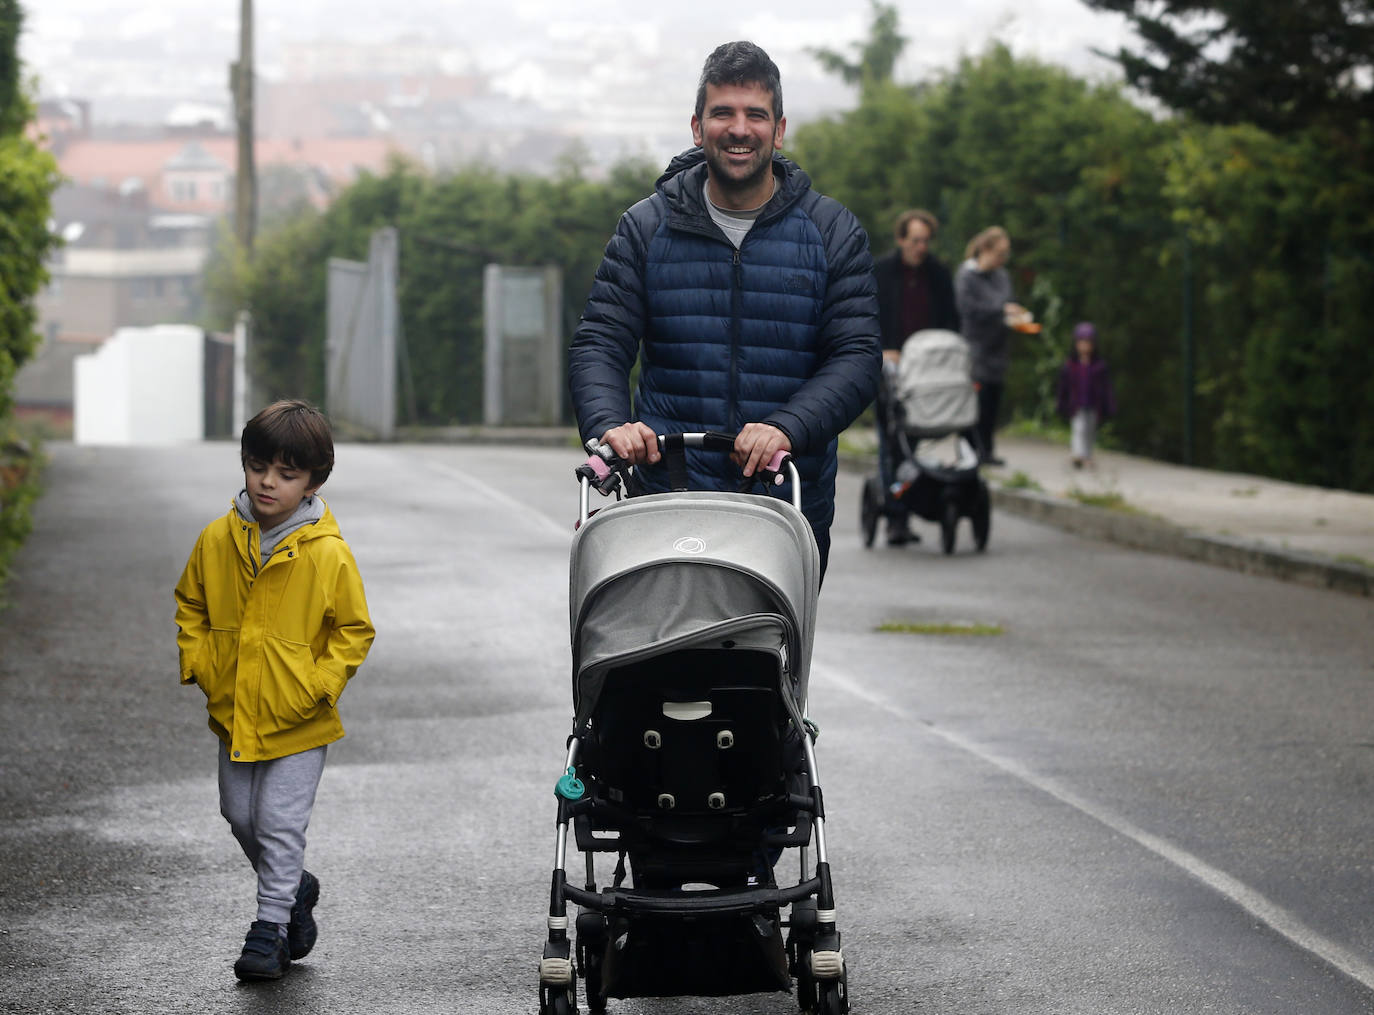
681 183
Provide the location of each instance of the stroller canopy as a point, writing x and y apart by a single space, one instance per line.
672 571
935 382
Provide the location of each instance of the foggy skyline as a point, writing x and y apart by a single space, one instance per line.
70 44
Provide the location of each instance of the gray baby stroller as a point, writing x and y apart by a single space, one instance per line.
691 754
930 404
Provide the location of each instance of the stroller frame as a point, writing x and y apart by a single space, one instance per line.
736 902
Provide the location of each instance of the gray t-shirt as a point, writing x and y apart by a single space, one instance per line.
734 224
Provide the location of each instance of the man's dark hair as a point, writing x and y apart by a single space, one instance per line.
915 215
296 433
740 63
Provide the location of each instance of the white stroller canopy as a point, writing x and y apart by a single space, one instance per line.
935 382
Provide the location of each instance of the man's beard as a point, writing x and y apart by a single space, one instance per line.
726 183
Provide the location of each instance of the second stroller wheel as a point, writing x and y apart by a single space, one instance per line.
870 507
982 518
801 937
949 525
591 947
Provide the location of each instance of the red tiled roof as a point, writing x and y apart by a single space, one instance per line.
88 160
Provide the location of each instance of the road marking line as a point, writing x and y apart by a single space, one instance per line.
1272 915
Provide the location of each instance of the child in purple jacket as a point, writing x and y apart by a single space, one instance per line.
1085 393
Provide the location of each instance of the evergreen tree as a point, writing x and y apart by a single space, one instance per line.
1282 65
28 177
877 56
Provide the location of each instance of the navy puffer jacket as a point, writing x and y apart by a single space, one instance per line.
784 331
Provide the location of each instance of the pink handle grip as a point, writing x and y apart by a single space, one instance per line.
775 465
599 466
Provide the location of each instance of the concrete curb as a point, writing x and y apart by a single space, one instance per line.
1143 532
1155 535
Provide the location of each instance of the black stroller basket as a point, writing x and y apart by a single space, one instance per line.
691 761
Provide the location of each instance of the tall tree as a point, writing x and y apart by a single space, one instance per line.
877 55
1280 64
12 108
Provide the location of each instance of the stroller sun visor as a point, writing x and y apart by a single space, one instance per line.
669 571
935 382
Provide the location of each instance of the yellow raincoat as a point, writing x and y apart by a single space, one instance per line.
271 647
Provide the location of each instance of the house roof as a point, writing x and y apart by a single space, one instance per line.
109 163
194 156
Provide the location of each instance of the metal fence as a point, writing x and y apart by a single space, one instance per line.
361 340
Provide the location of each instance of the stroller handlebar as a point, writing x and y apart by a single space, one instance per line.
606 472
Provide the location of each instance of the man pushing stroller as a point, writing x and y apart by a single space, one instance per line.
751 295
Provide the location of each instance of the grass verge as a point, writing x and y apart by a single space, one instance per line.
1020 481
973 630
1111 500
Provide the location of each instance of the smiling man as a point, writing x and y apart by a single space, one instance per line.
747 298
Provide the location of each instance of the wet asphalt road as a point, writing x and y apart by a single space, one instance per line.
1149 794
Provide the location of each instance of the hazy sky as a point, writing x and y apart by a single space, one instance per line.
619 75
497 31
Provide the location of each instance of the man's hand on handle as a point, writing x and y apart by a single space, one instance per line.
756 445
633 443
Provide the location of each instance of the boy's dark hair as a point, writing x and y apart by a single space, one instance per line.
740 63
295 432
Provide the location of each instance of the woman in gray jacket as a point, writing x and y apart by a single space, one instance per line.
982 292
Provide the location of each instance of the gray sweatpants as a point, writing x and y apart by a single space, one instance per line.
268 805
1082 431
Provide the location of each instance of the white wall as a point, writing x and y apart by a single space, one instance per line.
143 386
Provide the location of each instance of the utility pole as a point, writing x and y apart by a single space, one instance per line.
1189 350
241 86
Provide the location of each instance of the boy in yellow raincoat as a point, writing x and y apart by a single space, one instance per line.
272 622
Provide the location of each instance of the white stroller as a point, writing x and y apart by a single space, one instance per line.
930 403
691 754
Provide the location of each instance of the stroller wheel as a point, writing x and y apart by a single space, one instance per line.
801 936
949 525
982 517
834 997
591 946
870 508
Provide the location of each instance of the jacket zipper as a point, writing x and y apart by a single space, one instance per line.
736 298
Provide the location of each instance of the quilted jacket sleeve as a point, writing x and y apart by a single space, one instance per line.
606 343
849 345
